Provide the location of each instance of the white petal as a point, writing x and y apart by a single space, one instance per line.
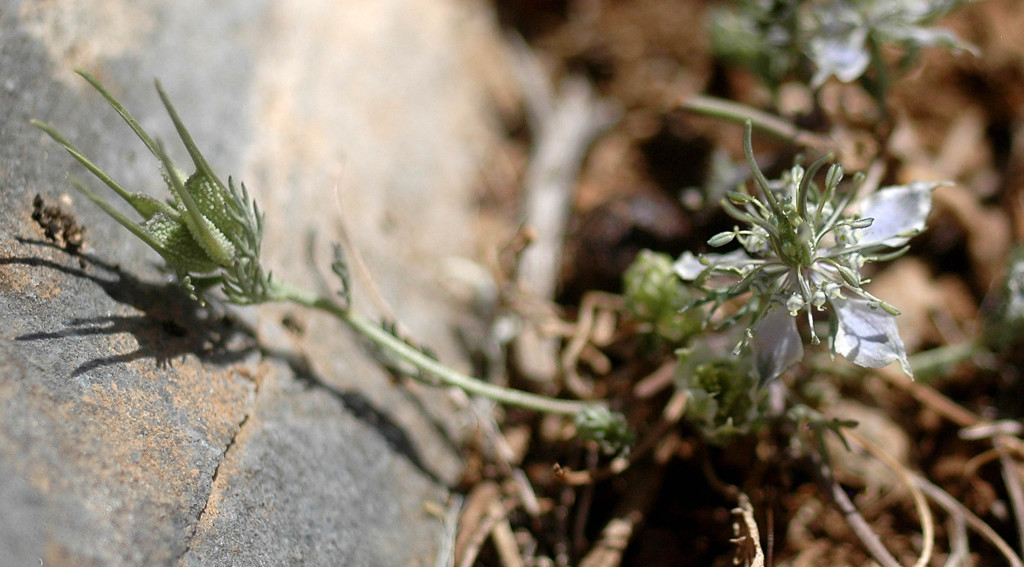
688 266
776 344
899 213
868 337
840 52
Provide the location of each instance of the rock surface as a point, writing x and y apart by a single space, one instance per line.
138 429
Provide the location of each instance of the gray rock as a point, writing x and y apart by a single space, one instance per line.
139 429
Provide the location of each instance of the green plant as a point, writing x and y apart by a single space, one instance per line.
801 249
210 234
813 40
656 296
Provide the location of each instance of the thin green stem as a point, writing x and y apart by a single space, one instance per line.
805 184
759 178
932 361
450 377
767 122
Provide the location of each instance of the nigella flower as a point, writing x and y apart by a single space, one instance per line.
207 232
802 250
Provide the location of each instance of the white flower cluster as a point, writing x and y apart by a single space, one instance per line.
802 249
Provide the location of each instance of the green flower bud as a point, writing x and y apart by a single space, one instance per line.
609 429
721 239
860 223
737 198
656 295
723 397
833 177
208 229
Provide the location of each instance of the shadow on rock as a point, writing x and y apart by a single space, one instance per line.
171 323
363 409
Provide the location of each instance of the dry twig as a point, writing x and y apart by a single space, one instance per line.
924 513
636 503
954 508
857 523
449 518
564 125
748 532
591 328
476 522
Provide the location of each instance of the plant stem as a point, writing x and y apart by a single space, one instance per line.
936 359
391 343
736 112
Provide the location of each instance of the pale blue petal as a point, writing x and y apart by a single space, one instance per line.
867 337
846 59
776 344
689 267
899 212
840 50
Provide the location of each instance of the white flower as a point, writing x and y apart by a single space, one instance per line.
839 46
802 251
843 31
